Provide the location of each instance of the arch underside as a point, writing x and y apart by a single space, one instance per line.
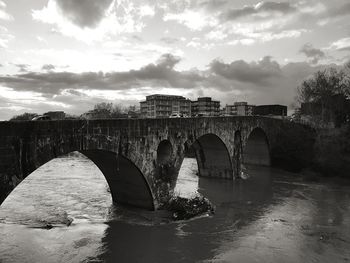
212 157
256 150
127 184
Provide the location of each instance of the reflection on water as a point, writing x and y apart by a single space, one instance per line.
270 217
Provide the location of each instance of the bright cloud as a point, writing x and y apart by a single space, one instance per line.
341 44
112 18
244 41
194 20
3 14
146 10
5 37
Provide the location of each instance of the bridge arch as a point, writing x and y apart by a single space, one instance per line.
256 150
212 156
127 184
126 181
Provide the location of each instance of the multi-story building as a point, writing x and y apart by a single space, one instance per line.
271 110
205 106
162 106
239 109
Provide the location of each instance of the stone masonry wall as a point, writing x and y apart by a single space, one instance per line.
24 146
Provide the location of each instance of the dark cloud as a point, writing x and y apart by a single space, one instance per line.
84 13
344 48
314 54
258 73
283 7
263 7
161 73
341 10
265 81
22 67
168 61
48 67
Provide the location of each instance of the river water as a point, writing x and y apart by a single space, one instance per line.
272 216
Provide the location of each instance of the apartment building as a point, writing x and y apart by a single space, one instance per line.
205 106
239 109
271 110
162 106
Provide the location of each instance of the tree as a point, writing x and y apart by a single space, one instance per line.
327 93
27 116
71 117
105 110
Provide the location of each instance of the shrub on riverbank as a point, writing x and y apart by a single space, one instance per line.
186 208
332 152
293 147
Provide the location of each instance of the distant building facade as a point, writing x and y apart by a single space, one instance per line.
162 106
271 110
205 106
239 109
55 115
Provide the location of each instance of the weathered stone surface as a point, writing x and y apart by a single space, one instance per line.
127 151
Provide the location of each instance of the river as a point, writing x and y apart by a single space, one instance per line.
272 216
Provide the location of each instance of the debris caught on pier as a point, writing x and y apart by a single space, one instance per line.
186 208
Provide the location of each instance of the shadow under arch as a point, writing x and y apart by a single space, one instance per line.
164 152
212 156
127 184
256 150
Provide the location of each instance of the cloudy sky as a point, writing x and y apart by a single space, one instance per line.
71 54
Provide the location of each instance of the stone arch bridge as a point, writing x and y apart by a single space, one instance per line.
141 158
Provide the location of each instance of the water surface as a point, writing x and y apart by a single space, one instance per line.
272 216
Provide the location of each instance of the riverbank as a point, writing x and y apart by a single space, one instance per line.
332 152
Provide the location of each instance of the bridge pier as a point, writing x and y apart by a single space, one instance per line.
237 154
